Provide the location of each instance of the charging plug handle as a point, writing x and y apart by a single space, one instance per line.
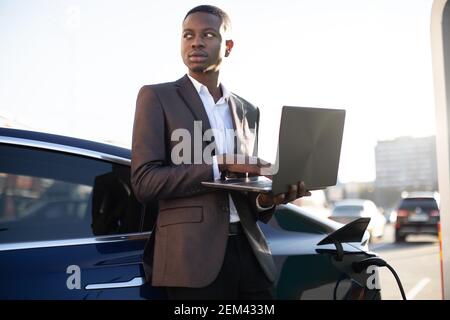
359 266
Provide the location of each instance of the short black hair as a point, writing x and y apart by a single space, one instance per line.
212 10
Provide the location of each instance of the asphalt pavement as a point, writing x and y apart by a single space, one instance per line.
416 262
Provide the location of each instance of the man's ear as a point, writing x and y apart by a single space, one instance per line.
229 46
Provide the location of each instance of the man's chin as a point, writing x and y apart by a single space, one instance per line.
198 69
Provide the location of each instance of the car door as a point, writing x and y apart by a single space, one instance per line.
70 228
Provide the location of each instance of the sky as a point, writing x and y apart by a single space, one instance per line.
74 67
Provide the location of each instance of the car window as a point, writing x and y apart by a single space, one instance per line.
413 203
347 210
46 195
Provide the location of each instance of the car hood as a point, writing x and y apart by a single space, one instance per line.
298 243
291 242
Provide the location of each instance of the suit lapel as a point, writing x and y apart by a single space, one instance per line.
192 100
237 114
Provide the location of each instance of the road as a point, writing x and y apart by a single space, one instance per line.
416 263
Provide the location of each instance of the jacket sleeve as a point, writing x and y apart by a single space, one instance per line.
263 216
153 176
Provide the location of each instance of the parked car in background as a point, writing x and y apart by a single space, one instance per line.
417 213
348 210
71 228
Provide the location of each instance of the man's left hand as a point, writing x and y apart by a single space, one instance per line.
295 191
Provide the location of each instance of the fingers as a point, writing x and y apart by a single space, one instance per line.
240 163
295 191
292 193
301 189
302 192
252 170
284 198
279 199
232 159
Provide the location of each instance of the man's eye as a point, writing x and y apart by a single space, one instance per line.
187 36
209 35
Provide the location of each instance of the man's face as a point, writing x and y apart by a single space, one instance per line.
202 43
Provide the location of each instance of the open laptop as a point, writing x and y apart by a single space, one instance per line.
309 148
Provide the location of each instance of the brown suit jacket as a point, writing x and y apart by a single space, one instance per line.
192 224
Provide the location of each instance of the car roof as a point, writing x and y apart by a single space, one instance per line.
28 137
352 202
419 194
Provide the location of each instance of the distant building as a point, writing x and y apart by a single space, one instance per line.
406 163
351 190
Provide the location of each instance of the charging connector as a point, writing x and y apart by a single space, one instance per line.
359 266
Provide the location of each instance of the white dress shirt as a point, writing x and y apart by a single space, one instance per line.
222 125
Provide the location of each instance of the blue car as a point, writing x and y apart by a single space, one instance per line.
71 228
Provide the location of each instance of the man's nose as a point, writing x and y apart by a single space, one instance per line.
198 42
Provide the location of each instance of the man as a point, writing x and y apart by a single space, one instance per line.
207 244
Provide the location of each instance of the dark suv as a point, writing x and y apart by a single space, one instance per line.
417 214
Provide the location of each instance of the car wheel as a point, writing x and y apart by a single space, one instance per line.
399 238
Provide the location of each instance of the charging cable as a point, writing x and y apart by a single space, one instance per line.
359 266
342 277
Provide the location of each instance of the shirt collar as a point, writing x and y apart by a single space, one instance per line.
200 87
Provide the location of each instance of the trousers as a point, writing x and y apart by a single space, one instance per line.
240 278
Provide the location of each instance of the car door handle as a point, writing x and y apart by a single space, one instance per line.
135 282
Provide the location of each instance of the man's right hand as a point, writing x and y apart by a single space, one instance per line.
238 163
